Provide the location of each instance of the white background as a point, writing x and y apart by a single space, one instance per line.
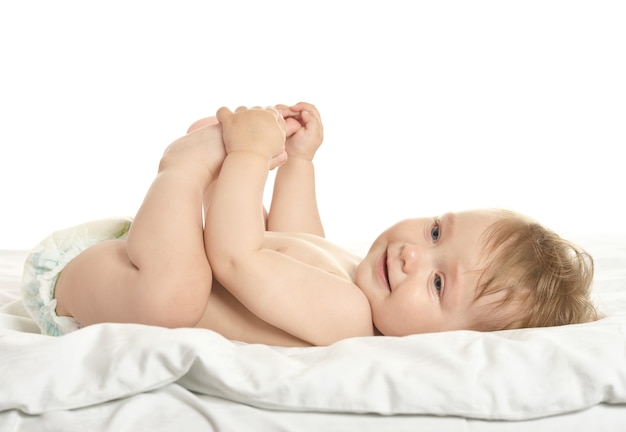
427 106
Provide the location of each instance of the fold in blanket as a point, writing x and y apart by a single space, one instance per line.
510 375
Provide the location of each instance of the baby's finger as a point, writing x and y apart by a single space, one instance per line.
223 114
274 111
305 106
291 126
285 111
278 116
310 120
278 160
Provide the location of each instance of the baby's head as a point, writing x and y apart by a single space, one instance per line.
480 270
534 277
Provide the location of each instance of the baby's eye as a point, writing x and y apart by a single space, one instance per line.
438 283
434 231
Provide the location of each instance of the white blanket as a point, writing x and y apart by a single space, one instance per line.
505 375
508 375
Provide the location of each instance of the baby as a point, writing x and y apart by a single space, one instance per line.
271 277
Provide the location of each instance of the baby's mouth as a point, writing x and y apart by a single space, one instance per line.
386 271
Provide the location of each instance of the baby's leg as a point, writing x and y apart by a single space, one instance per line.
160 274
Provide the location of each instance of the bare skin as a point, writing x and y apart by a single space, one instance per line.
274 279
166 279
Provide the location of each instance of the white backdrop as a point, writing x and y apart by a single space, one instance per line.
427 106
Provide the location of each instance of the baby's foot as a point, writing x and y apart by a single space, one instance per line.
198 124
201 148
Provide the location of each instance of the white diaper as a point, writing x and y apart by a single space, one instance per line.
48 258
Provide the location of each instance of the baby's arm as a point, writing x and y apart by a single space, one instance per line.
305 301
294 202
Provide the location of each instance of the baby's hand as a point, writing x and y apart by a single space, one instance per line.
253 130
304 130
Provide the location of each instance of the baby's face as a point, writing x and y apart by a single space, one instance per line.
421 275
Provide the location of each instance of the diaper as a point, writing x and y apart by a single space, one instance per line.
45 262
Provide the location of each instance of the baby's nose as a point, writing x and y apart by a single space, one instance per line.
411 257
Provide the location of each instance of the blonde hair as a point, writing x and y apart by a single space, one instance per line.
542 279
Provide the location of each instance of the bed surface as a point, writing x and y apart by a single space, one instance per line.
132 377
